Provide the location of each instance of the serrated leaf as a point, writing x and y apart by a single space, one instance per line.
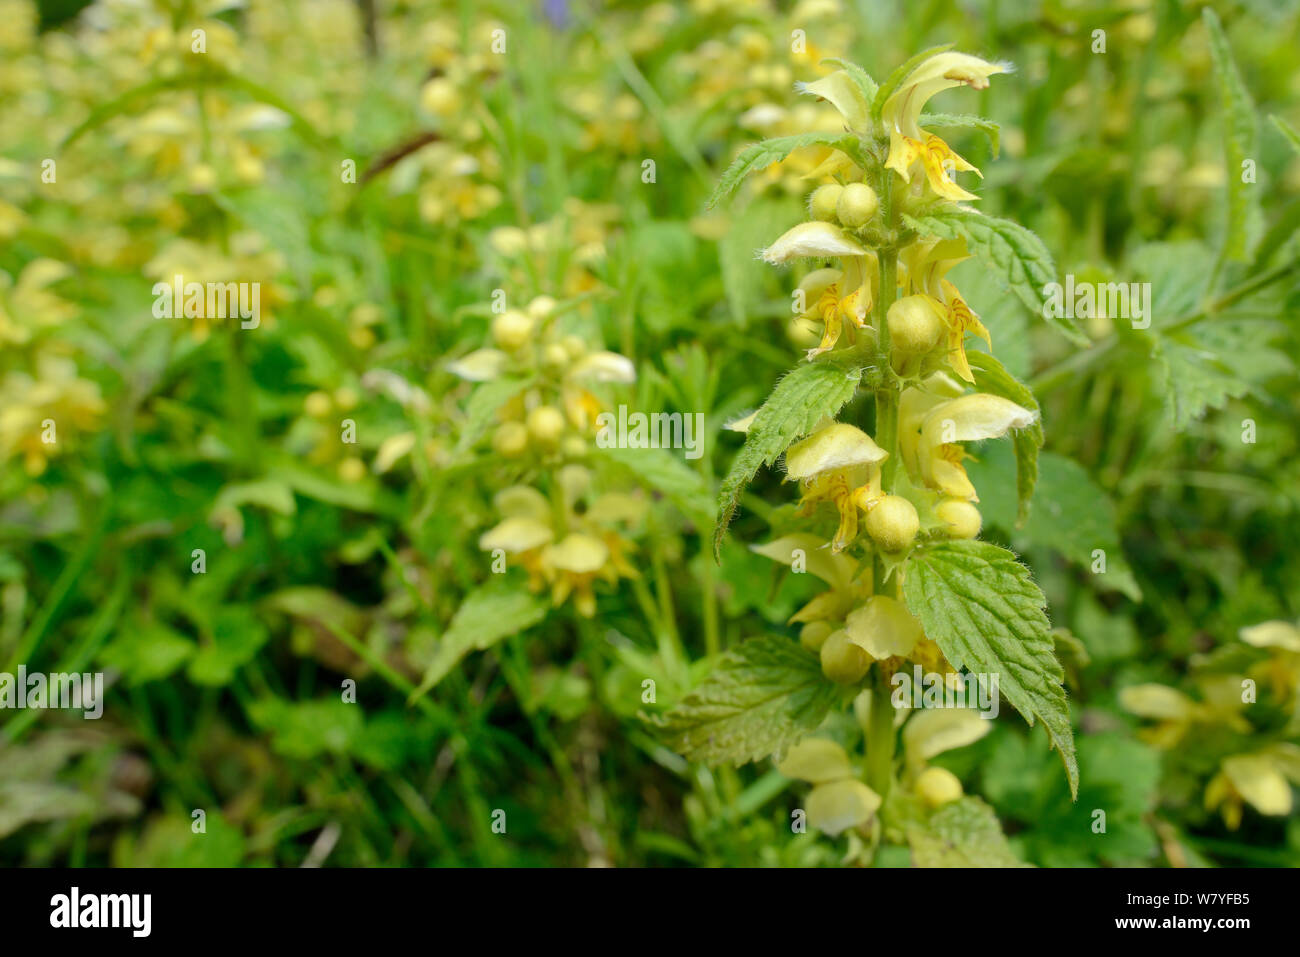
764 154
799 401
969 121
964 833
895 79
493 612
1238 138
991 376
1013 253
982 608
760 698
1203 367
483 405
858 75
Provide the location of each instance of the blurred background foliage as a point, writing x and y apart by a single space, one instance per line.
523 171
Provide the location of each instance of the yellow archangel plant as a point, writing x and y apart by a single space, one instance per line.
569 537
889 517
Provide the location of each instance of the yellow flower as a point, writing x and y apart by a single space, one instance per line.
838 463
1282 669
909 145
590 550
834 295
884 628
838 570
930 428
1261 779
924 265
38 416
30 304
838 801
1176 714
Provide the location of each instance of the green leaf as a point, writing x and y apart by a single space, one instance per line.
858 75
964 833
987 615
666 472
1013 253
147 654
482 407
1239 136
1201 368
1074 516
762 155
307 729
895 79
494 612
968 121
236 637
798 403
1286 129
762 697
992 377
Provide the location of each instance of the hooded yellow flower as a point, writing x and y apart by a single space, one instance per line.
930 428
1261 779
838 570
838 463
909 145
590 549
924 265
838 801
1282 669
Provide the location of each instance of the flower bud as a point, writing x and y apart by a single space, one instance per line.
546 425
511 329
814 635
318 404
842 661
823 201
575 346
541 308
856 205
960 518
892 523
352 469
554 357
936 786
439 96
510 440
914 325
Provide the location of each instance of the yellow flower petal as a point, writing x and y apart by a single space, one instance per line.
816 760
884 628
837 446
815 240
839 805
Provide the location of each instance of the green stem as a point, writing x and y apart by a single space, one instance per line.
880 737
